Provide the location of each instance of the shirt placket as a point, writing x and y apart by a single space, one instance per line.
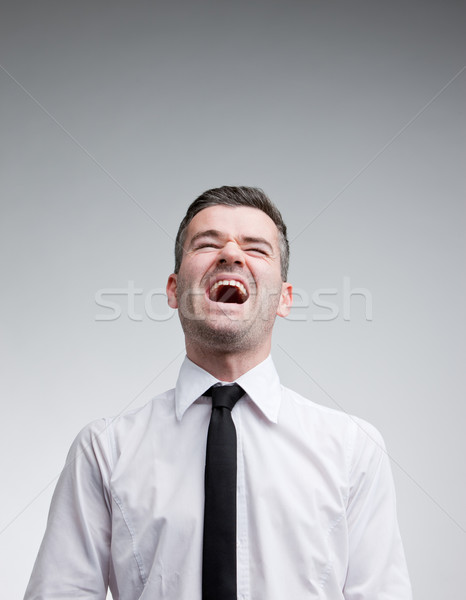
242 542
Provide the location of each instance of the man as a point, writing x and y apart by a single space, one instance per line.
314 500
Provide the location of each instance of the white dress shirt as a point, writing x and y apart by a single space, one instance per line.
316 515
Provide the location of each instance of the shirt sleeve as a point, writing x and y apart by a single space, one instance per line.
74 557
377 565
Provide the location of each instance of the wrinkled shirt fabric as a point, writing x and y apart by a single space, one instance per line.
316 514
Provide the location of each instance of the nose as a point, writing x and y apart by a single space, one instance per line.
231 254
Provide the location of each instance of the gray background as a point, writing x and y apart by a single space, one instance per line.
349 114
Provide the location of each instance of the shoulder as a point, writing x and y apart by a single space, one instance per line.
359 438
105 438
312 412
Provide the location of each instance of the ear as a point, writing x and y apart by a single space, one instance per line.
286 300
171 291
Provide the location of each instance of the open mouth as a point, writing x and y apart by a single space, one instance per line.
228 291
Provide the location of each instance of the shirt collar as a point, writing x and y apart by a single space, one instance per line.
261 384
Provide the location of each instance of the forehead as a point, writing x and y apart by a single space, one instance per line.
234 221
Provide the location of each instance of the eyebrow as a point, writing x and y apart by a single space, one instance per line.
257 240
214 233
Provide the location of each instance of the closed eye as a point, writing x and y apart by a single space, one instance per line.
206 245
258 250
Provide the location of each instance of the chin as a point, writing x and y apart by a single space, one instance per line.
218 336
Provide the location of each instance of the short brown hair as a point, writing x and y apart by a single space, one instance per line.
235 196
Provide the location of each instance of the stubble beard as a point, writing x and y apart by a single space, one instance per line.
217 339
221 333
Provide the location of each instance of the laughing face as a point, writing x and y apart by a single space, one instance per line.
229 288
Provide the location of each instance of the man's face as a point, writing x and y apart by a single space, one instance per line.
229 289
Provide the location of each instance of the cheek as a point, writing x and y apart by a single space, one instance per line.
194 267
267 273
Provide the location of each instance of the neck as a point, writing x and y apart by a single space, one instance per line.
226 366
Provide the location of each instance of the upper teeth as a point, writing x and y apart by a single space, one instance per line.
231 282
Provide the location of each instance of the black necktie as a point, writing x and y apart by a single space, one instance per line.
219 553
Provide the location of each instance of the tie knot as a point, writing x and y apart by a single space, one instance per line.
225 396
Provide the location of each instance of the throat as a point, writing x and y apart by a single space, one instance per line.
228 292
